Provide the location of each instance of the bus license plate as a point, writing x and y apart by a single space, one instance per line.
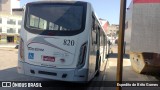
49 58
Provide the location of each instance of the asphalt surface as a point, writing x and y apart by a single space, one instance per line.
128 74
8 72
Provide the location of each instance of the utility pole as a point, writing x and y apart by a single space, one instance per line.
121 43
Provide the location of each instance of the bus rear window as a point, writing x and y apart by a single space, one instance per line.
54 17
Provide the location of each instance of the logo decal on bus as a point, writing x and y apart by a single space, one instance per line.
35 49
48 58
30 55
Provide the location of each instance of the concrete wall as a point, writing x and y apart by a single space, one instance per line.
128 27
145 27
5 6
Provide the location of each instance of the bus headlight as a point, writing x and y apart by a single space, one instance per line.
82 55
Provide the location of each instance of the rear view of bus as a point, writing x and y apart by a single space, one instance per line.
53 41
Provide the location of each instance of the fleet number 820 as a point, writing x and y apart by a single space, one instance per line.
68 42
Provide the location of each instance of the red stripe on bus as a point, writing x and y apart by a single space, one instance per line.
146 1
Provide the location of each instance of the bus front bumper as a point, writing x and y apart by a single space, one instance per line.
53 73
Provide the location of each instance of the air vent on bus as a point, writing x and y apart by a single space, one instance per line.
47 73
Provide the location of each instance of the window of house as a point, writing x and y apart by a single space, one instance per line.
0 29
11 30
19 22
11 21
19 30
0 20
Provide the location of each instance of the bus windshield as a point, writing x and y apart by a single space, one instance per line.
54 17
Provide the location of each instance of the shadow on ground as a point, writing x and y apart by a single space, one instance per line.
10 74
130 77
115 55
156 74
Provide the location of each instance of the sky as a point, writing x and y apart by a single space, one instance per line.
105 9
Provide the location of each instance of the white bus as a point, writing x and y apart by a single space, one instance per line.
61 41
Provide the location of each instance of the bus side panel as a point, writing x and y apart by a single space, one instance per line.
91 50
20 67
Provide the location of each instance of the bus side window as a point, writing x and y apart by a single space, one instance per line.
37 22
101 38
93 23
93 32
98 35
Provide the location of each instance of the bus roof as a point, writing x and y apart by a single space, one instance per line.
58 2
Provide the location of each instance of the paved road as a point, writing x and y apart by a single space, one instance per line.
128 73
8 72
8 63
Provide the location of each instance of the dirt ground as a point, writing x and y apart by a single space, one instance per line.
8 58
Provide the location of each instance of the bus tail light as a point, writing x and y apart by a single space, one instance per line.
21 49
82 55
